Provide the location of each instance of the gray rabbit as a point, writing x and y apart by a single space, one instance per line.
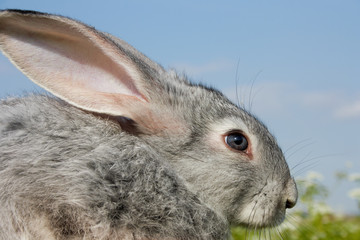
125 149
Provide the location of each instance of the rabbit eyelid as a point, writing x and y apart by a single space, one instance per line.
221 129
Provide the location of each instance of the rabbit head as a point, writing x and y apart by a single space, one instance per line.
223 154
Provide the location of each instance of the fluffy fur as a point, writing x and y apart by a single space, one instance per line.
159 169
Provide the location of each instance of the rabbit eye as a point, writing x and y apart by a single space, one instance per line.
237 141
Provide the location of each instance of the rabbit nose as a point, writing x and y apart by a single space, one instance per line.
290 203
291 194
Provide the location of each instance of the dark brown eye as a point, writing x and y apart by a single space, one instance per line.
237 141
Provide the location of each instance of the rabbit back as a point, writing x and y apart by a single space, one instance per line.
80 175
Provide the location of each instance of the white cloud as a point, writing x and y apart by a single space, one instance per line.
283 98
274 97
339 105
351 110
321 99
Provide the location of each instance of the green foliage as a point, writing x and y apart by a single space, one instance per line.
318 227
314 220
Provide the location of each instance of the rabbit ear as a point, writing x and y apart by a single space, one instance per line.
74 62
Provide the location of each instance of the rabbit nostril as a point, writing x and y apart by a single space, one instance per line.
289 203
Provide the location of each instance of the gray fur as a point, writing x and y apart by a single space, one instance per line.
67 173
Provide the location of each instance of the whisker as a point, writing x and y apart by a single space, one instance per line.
274 171
192 157
236 82
291 218
296 144
304 225
259 233
269 233
252 214
302 161
253 211
250 99
246 233
306 168
302 147
316 161
279 233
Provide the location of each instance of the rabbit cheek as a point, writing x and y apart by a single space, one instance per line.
265 209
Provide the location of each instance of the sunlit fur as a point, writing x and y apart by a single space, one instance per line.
69 173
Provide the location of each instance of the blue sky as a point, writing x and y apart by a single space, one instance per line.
302 58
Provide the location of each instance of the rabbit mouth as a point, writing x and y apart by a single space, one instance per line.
265 209
258 215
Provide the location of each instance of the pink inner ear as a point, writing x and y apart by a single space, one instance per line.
79 62
86 69
73 62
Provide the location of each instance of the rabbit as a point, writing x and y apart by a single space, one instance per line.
120 148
